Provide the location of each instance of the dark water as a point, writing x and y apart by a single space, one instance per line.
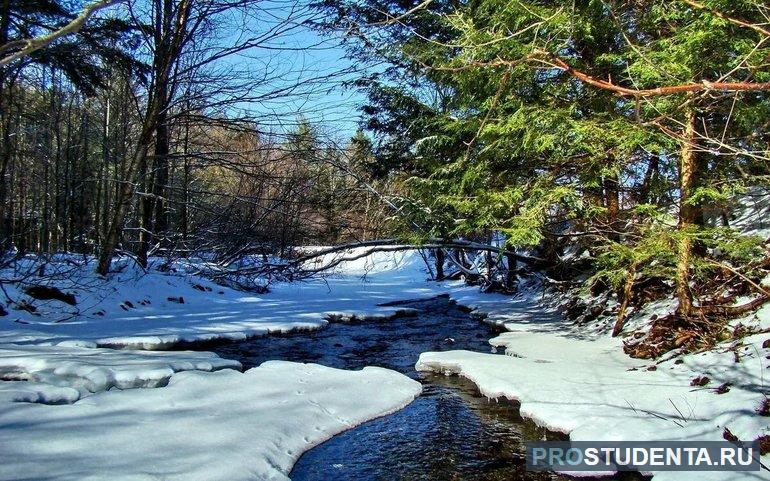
448 433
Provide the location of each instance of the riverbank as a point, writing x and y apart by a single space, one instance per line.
72 409
569 378
578 381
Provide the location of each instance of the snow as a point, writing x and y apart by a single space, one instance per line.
578 382
69 405
202 426
89 370
88 391
36 392
133 309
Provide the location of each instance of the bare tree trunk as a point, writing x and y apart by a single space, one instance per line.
80 207
70 156
440 257
60 197
145 214
152 205
123 196
161 168
183 215
164 62
100 199
5 124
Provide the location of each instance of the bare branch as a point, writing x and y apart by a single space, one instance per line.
27 46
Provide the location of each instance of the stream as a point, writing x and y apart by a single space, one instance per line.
450 432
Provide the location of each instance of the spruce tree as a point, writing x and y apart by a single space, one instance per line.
609 116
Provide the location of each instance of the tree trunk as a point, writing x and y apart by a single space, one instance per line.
125 190
183 216
5 123
124 195
688 214
511 277
650 174
151 204
440 258
145 214
489 265
625 299
612 202
160 167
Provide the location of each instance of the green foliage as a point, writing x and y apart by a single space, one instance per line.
87 58
649 255
490 136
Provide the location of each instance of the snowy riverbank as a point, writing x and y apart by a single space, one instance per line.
157 310
202 426
72 410
568 378
577 380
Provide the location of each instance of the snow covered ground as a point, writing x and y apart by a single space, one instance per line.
158 310
71 409
577 381
231 425
59 374
223 425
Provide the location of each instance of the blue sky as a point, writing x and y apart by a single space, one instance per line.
304 65
299 55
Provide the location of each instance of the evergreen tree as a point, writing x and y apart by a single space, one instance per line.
602 114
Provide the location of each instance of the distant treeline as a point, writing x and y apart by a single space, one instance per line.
126 136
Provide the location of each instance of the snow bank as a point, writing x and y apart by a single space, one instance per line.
574 379
68 410
36 392
159 310
404 264
63 373
202 426
584 385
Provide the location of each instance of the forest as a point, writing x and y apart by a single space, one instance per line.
130 137
625 126
608 156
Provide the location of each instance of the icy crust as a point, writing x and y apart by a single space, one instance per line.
202 426
65 373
